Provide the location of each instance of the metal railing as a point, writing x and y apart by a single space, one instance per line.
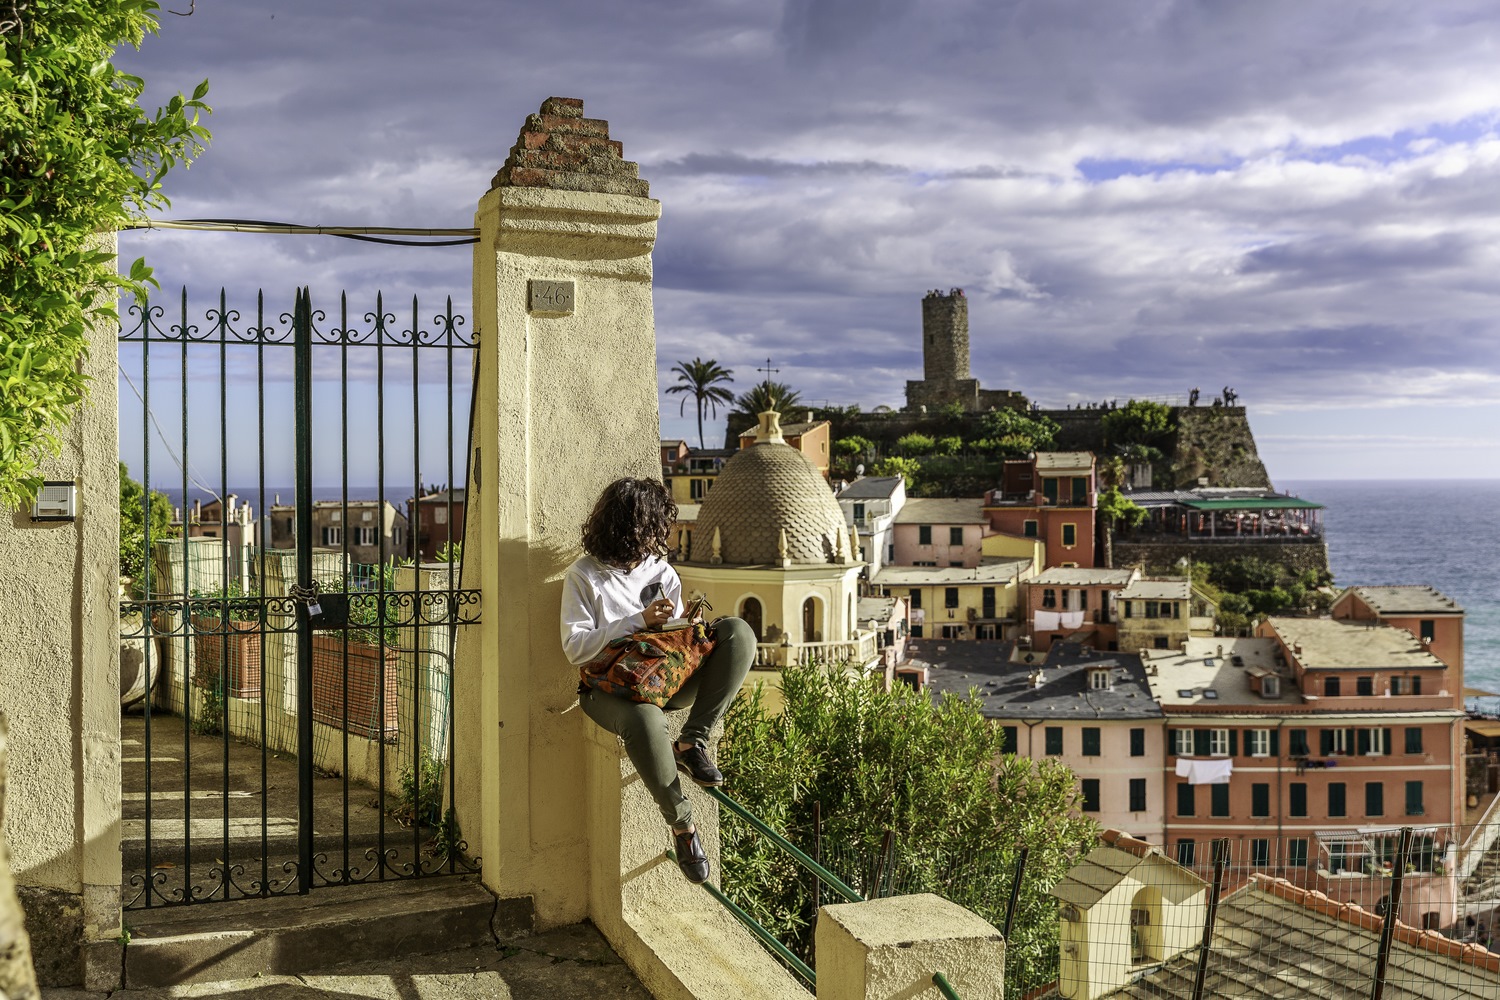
823 875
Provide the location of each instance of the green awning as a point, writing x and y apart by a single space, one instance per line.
1253 503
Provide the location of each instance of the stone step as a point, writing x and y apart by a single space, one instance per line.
296 935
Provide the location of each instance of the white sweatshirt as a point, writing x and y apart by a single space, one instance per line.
602 602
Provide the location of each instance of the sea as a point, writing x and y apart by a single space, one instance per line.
1443 533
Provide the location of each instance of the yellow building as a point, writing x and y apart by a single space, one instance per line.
953 602
769 545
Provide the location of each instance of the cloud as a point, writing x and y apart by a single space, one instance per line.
1292 198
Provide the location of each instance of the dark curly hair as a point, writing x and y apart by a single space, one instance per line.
630 521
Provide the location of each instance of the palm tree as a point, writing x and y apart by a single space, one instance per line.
697 378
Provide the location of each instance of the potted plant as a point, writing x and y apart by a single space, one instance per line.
353 678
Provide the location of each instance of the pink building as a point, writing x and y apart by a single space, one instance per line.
929 531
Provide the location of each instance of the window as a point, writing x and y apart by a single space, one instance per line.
1428 628
1218 743
1218 800
955 536
697 488
1413 739
1150 609
1129 609
1083 600
1334 741
1182 742
1186 852
1091 741
950 597
365 536
924 534
335 516
1374 798
1406 685
916 598
1049 597
1260 851
333 536
1258 742
1260 799
1298 804
1137 743
1054 741
859 513
1099 680
1185 798
1330 687
1008 741
1336 804
1090 795
440 515
1070 535
1364 686
1414 798
1374 742
1137 795
1028 528
1296 852
1298 738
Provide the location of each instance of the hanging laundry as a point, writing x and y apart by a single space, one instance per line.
1072 619
1046 621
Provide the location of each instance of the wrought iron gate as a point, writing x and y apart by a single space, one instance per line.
290 724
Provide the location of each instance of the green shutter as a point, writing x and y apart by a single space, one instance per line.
1234 743
1385 742
1200 743
1275 743
1325 742
1362 742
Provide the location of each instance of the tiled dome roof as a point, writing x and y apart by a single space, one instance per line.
765 489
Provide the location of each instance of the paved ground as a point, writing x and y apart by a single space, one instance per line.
571 962
220 781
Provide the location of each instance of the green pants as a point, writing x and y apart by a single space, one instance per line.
643 726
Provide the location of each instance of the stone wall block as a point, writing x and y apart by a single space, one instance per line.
885 949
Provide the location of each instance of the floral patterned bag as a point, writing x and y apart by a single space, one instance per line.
650 665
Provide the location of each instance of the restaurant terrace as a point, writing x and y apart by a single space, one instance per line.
1226 514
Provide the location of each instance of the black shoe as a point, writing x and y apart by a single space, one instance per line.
690 857
694 763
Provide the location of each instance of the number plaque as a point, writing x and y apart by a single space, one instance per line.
555 297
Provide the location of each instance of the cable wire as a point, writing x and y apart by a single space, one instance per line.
365 234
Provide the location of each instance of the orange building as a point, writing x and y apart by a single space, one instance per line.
1051 496
811 437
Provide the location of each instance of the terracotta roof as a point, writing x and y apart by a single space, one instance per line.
1064 461
1084 576
1413 600
1335 644
942 510
561 149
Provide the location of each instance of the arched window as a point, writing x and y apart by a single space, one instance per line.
810 630
750 611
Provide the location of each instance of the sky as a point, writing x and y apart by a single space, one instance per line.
1294 199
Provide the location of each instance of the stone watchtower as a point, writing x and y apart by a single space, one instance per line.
945 336
945 360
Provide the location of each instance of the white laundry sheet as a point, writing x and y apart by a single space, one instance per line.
1072 619
1046 621
1205 772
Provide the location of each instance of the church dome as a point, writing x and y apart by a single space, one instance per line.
765 490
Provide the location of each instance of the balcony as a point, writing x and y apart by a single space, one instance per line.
863 650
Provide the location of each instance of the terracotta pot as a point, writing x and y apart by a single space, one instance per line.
242 664
371 709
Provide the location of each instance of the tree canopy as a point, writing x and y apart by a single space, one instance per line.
1139 422
1012 434
78 157
767 395
932 773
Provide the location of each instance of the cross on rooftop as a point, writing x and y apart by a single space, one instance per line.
769 372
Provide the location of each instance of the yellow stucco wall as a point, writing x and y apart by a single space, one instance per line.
59 681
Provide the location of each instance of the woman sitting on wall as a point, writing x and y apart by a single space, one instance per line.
621 585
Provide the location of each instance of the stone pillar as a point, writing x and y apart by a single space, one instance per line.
566 402
60 685
888 948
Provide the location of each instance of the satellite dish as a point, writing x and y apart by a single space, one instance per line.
859 470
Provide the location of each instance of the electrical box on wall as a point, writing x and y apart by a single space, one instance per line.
56 501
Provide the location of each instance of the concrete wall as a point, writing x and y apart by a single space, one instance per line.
17 978
59 683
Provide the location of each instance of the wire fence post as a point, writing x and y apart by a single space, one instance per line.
817 887
1392 912
885 868
1015 893
1221 852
